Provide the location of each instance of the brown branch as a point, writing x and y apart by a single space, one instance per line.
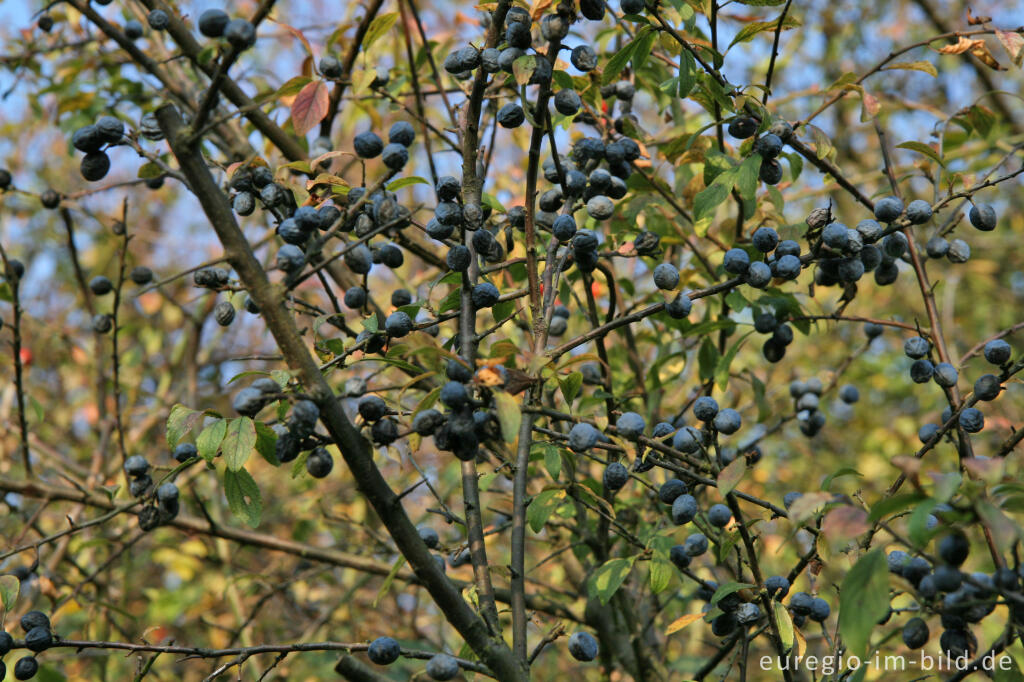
188 45
19 382
187 524
354 448
347 63
775 53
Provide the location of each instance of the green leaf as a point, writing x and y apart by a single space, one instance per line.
644 43
492 201
753 28
299 464
303 166
661 574
238 442
863 600
922 148
715 165
571 386
395 568
845 471
150 170
708 199
687 74
731 475
1005 532
607 579
784 624
243 496
509 415
450 302
206 54
747 176
37 408
266 443
10 586
180 422
292 86
823 147
892 505
541 507
502 309
380 25
722 369
759 397
726 542
523 68
736 300
727 589
926 67
619 60
371 325
49 674
707 359
796 165
210 438
562 80
917 526
946 485
553 460
407 182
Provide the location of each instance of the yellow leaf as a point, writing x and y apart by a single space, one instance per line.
731 475
509 415
538 9
981 52
961 46
926 67
681 622
801 643
325 179
328 155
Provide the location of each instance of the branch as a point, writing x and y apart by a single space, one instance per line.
181 34
636 316
354 448
19 385
472 189
346 66
188 524
201 652
775 53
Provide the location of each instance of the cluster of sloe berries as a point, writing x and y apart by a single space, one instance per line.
958 597
386 650
467 422
163 506
768 146
38 637
94 140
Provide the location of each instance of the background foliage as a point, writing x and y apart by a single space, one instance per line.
262 553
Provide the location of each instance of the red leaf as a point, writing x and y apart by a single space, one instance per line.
1013 44
310 106
298 34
